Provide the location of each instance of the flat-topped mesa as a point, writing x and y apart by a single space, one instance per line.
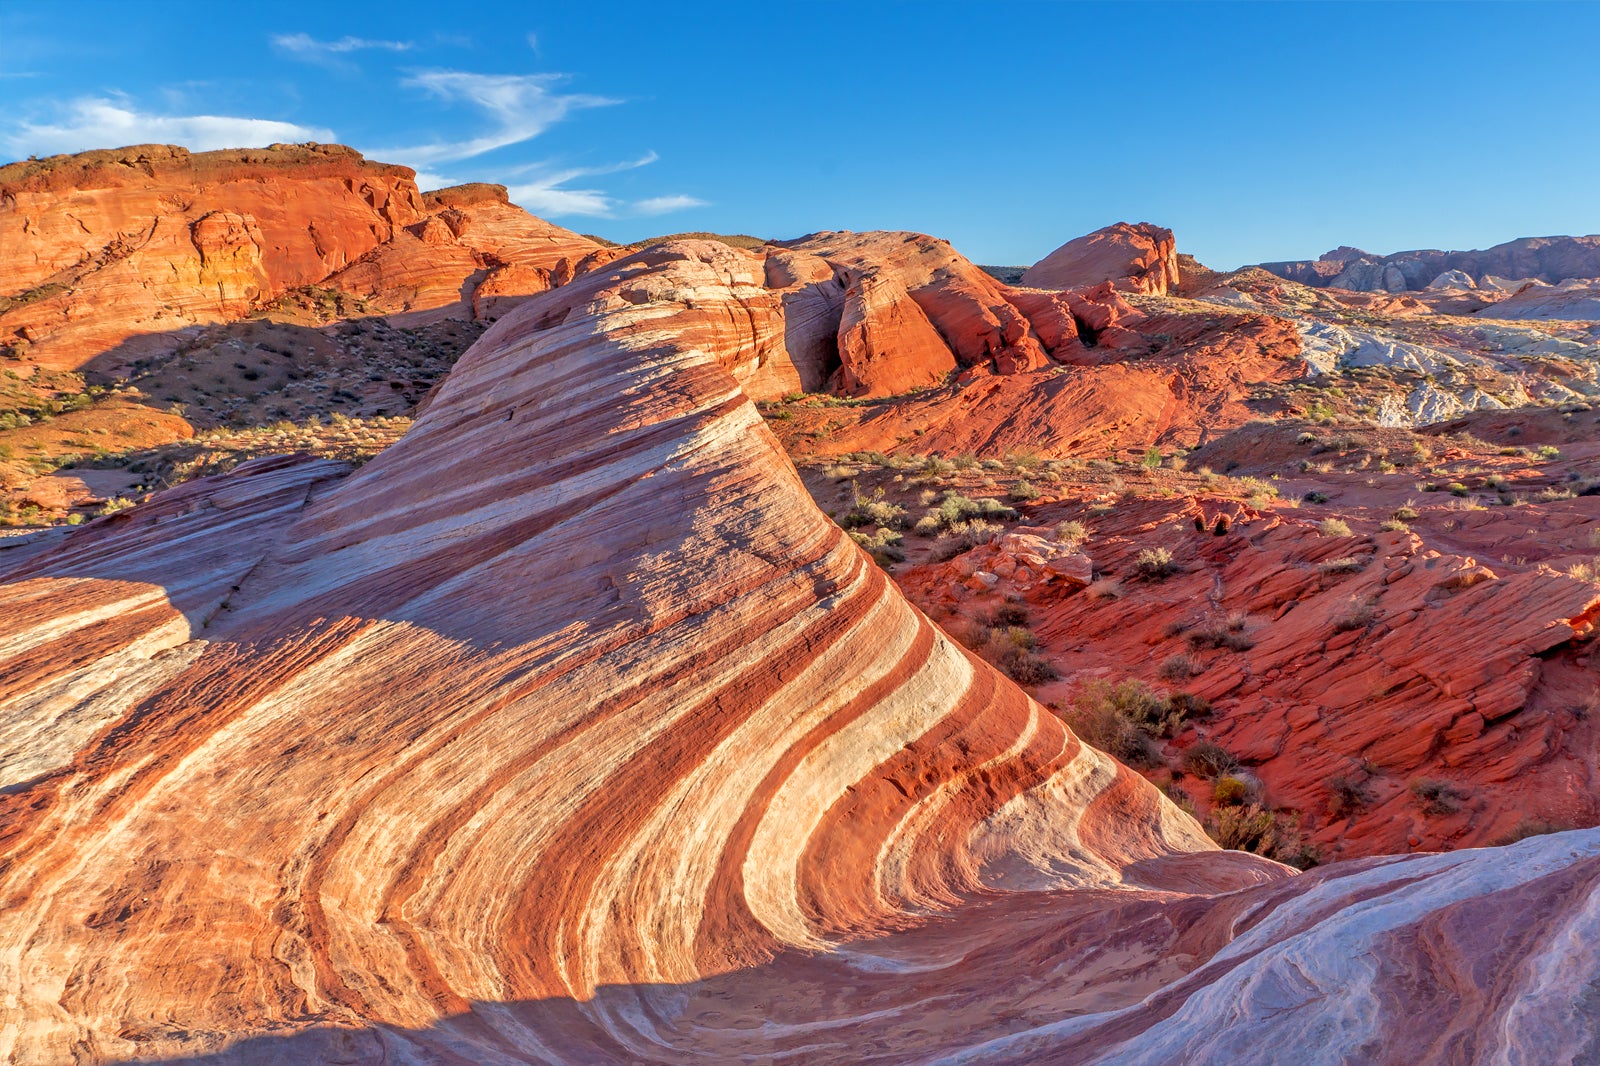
156 239
1138 258
569 729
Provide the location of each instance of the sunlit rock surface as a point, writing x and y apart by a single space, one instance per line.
569 730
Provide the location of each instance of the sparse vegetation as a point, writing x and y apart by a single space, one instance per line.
1347 795
1154 564
1437 797
1125 719
1254 828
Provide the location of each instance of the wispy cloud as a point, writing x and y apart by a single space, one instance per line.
661 205
520 106
546 191
103 122
306 46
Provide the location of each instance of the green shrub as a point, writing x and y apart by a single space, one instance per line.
1024 490
1334 527
1154 564
1229 792
1257 829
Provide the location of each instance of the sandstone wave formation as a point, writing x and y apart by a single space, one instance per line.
569 730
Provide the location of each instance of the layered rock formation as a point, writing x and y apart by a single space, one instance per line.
1132 257
1547 259
117 250
568 729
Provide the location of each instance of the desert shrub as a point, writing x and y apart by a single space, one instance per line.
956 508
1151 459
1141 707
932 464
838 472
1589 571
1104 588
1362 613
928 525
1315 497
1254 486
1394 525
1023 460
874 511
1407 513
1011 649
1226 633
1154 564
1101 727
1071 533
1024 490
1208 759
1347 795
1334 527
1548 451
1009 614
1229 791
963 536
1254 828
883 546
1436 796
1179 667
1347 565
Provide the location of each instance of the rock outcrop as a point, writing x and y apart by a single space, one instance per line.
1547 259
568 729
115 251
1132 257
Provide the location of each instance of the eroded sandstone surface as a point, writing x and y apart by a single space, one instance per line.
569 729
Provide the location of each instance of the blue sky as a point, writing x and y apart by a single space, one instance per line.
1257 131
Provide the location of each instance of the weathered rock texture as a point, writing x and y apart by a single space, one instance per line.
1548 259
1132 257
105 248
569 730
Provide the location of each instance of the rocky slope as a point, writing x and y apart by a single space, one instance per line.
568 729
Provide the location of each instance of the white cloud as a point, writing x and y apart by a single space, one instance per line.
99 122
546 193
303 44
661 205
553 201
522 106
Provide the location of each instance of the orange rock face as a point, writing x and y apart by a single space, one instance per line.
108 253
1131 257
568 729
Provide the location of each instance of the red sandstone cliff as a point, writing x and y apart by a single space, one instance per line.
115 250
